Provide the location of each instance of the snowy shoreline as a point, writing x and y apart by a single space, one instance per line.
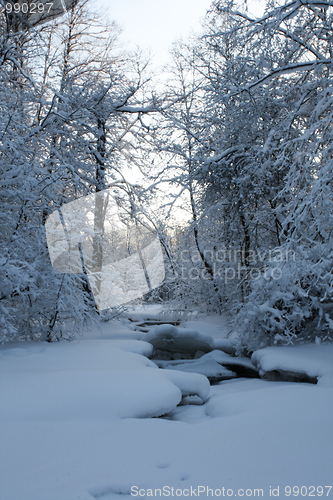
76 423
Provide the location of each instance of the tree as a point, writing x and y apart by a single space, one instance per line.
67 107
299 305
261 162
179 138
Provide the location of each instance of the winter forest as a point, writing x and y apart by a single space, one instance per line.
226 158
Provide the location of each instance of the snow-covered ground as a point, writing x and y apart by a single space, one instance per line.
315 361
82 421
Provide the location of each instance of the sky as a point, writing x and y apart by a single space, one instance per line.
154 24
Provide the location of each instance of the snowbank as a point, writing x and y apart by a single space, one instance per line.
149 311
65 436
208 365
206 326
249 433
186 340
190 384
88 380
218 329
312 360
173 339
226 345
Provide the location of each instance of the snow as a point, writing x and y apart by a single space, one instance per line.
207 365
312 359
88 380
263 399
226 345
75 424
148 311
136 346
326 381
171 338
212 326
214 329
113 330
217 327
190 384
192 336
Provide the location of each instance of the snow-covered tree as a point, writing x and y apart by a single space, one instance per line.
68 105
299 304
261 163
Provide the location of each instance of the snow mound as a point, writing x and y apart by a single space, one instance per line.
115 329
88 381
214 330
215 365
254 432
226 345
311 360
150 312
260 398
136 346
173 339
208 365
186 340
326 381
190 384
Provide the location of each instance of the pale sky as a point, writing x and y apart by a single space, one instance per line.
155 24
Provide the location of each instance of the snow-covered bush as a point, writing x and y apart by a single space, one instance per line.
296 307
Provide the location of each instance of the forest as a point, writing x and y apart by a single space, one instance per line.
166 254
227 158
